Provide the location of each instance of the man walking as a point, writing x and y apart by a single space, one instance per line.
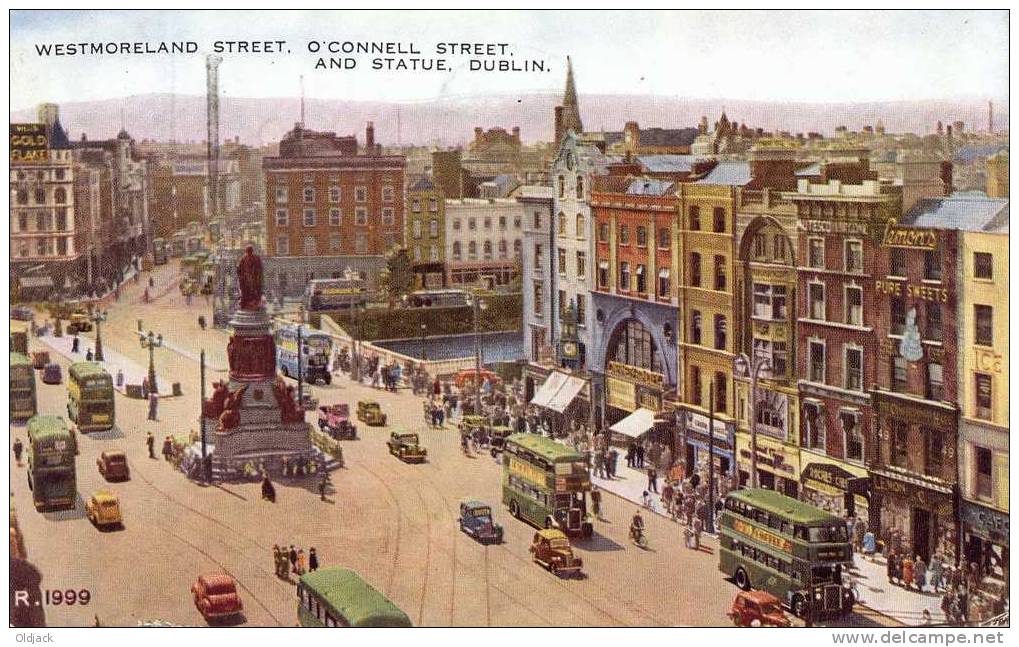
322 487
150 440
74 343
17 447
640 456
293 558
312 560
153 405
652 480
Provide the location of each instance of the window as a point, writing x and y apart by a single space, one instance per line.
899 374
361 243
334 194
720 332
718 220
22 222
40 246
984 333
415 205
488 222
641 279
335 217
815 297
40 196
721 393
282 218
388 216
580 188
897 262
982 382
334 244
641 236
472 250
457 252
537 256
854 305
720 273
933 321
388 194
472 224
899 443
603 274
580 225
282 246
60 195
309 217
815 252
456 224
537 220
983 265
487 249
695 269
935 381
780 247
360 216
817 368
695 327
695 385
562 223
663 238
695 218
934 451
581 309
581 264
538 293
433 205
503 249
562 187
433 253
517 220
897 315
983 471
770 301
932 265
415 229
854 369
854 256
310 248
663 283
562 261
281 194
852 435
502 222
624 276
603 232
518 247
361 194
624 235
562 304
309 194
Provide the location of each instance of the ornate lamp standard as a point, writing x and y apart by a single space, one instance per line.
424 329
478 304
98 317
745 366
152 342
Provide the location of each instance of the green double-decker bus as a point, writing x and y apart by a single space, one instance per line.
339 597
51 471
788 548
545 483
90 403
22 391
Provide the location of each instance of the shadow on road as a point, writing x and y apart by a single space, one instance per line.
110 434
78 512
597 544
230 492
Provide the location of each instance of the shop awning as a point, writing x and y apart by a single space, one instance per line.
36 282
567 392
547 391
636 424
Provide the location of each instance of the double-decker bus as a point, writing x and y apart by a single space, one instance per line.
22 391
339 597
437 299
90 397
51 475
788 548
545 483
334 294
159 251
314 365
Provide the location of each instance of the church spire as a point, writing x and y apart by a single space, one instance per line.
570 95
567 115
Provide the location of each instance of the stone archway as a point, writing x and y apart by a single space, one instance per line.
616 320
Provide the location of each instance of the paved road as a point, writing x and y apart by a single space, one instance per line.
393 522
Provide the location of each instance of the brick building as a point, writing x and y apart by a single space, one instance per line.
426 233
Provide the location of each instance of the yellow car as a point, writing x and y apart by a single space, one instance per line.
103 509
79 322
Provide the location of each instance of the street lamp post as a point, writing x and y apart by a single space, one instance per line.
98 317
478 306
151 342
744 366
424 329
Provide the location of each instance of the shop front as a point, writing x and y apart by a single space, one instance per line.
984 536
698 442
921 510
563 400
778 464
840 488
633 390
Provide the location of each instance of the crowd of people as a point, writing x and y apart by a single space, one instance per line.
293 561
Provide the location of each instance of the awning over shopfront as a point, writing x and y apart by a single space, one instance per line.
547 391
566 394
35 282
636 424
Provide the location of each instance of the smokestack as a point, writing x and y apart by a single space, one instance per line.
369 137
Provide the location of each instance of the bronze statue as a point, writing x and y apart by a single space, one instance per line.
249 276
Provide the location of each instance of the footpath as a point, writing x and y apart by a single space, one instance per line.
134 373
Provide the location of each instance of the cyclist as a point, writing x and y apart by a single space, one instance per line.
636 526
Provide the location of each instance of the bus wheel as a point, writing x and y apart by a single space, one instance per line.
515 509
548 522
286 373
799 605
741 579
328 379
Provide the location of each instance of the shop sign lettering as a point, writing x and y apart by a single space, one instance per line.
834 227
29 143
988 360
911 237
902 288
636 374
762 535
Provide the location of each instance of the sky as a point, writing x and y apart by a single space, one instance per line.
761 55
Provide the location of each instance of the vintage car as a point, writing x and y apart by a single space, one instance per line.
474 426
52 374
334 419
551 548
216 596
405 447
476 521
79 322
468 376
40 358
113 466
103 509
757 609
22 313
497 439
370 413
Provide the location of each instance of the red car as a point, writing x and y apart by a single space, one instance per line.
468 376
757 609
334 419
216 596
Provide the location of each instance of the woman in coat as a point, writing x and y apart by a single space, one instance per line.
919 573
907 572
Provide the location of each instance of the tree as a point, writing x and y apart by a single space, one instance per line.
398 277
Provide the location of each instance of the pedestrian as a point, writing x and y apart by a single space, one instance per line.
312 560
947 601
88 355
631 453
859 530
599 464
153 405
276 558
145 387
120 378
75 343
18 448
301 563
906 578
919 573
869 544
667 494
293 558
646 499
890 568
937 570
152 282
652 480
698 526
167 448
640 456
596 501
150 440
322 486
610 471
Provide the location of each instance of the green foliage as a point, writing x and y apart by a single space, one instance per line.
398 277
503 313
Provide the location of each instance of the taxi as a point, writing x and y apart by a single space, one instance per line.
103 509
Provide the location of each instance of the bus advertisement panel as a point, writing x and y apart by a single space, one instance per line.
314 365
545 484
90 397
437 299
51 472
334 294
794 551
22 391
